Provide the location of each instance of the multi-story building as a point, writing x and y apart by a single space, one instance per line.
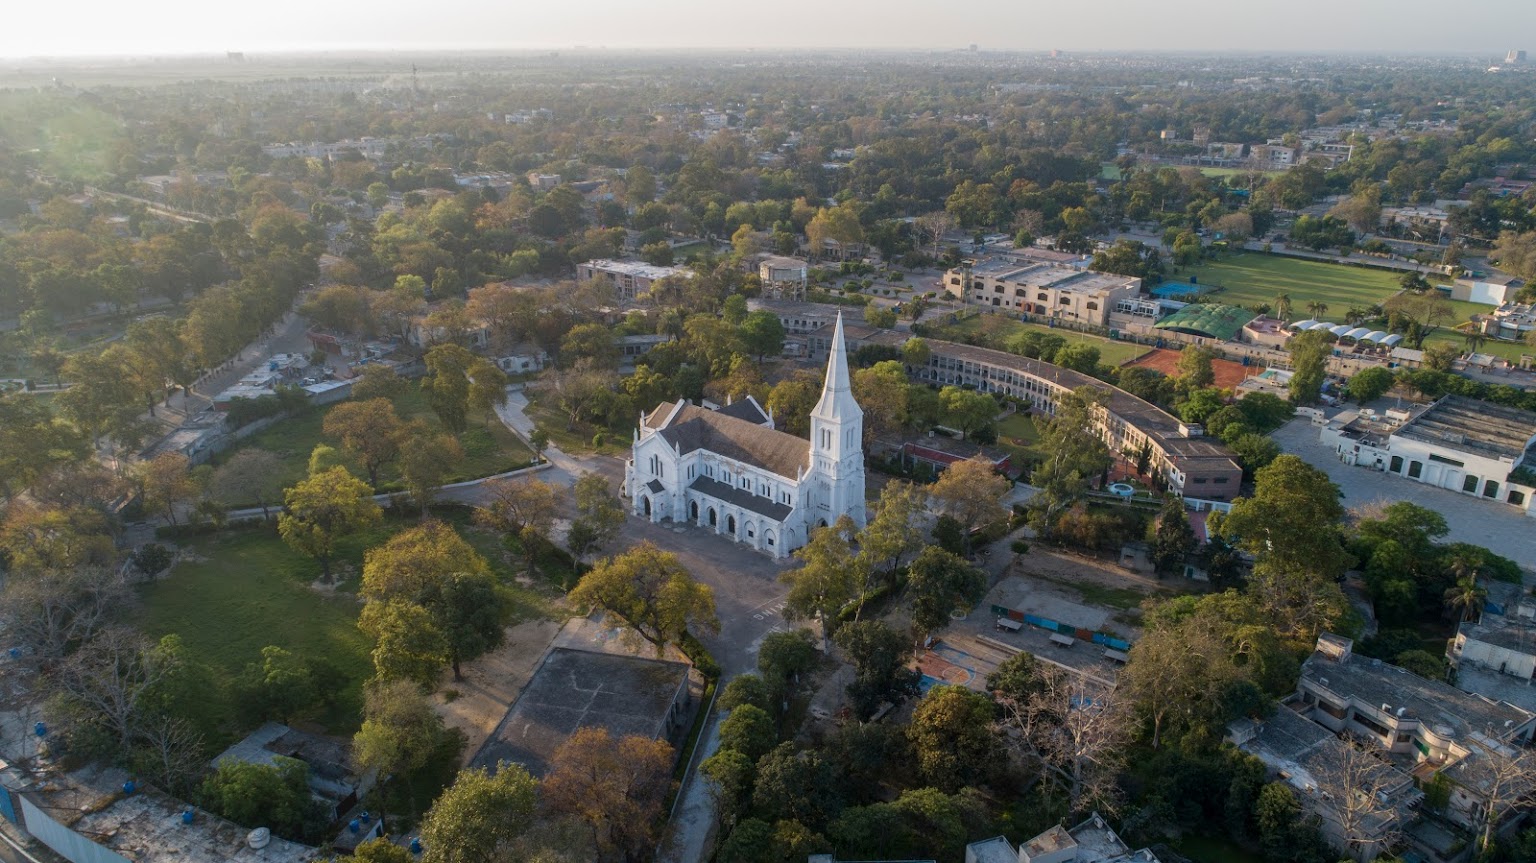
1092 841
799 319
1462 444
1041 289
1177 455
543 182
630 279
1495 654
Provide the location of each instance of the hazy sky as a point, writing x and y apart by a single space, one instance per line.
83 27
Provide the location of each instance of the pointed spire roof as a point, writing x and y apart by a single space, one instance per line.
836 393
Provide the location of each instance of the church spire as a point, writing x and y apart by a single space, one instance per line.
836 401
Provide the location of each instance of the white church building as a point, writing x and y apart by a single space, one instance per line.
730 471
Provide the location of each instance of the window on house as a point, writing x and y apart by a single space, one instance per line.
1469 484
1443 460
1491 489
1093 306
1396 465
1517 498
1415 469
1042 296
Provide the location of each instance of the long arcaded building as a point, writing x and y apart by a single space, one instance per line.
1190 464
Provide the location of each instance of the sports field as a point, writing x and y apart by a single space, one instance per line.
996 330
1250 278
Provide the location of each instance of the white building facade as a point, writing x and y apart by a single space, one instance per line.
730 471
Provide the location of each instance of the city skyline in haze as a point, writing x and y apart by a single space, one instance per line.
82 28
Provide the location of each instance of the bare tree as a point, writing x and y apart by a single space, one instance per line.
933 226
1362 796
54 611
522 507
1508 778
577 390
1075 730
110 675
172 753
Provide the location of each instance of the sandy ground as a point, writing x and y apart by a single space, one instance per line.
1228 373
492 682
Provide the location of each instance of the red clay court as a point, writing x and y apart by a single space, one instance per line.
1228 373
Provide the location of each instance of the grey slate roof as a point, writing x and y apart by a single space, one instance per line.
696 428
746 409
741 497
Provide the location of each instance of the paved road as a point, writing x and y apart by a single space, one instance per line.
1497 527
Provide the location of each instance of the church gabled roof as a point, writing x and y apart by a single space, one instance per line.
695 428
746 409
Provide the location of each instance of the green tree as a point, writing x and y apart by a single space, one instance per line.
879 655
829 579
938 584
479 817
276 796
369 430
1369 384
1195 369
953 739
426 462
967 410
1078 356
1290 525
407 642
971 492
895 530
1073 458
1309 365
749 730
447 384
762 333
400 731
731 773
652 592
1172 537
324 508
600 515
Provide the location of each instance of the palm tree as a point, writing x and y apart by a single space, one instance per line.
1317 308
1467 595
1474 340
1283 307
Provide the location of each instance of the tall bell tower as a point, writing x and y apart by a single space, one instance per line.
837 443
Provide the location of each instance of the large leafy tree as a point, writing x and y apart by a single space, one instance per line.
939 583
651 591
829 578
600 515
953 738
369 430
614 785
1173 539
400 730
322 509
1074 456
1290 526
431 566
480 816
971 492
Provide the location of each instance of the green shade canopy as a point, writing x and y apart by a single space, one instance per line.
1211 320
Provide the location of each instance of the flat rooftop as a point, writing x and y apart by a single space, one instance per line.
1474 426
1043 275
576 689
1431 702
636 268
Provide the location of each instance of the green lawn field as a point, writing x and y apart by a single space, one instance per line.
995 331
244 589
489 448
1250 278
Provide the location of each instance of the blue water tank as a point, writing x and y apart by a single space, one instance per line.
130 786
354 825
367 818
40 729
15 652
187 816
415 846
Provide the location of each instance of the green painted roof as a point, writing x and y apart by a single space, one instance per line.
1211 320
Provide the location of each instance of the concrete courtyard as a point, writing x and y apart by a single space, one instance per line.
1499 528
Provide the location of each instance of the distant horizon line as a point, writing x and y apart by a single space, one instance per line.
758 50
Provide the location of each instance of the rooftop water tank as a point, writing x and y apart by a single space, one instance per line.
259 838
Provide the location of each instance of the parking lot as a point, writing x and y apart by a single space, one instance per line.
1500 528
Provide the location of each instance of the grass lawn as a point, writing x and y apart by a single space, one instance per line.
1508 350
578 439
1021 438
245 589
995 330
1248 278
489 448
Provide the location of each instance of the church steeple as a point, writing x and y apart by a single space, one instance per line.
837 440
836 403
